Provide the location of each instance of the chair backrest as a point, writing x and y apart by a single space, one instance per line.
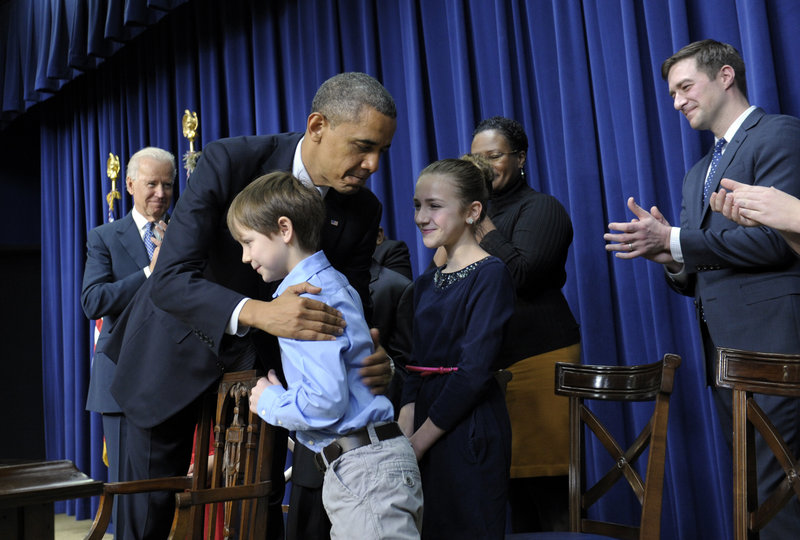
240 478
746 373
651 382
235 491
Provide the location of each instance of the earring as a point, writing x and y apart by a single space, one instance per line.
522 173
470 221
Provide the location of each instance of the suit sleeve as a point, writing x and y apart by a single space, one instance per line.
768 157
101 294
197 234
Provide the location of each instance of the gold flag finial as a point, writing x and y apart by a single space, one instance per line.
190 123
112 171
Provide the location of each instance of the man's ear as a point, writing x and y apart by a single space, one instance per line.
129 184
315 124
728 76
285 229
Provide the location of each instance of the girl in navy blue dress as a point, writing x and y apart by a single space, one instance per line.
453 408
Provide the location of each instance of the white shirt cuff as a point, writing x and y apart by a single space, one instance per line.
675 244
233 323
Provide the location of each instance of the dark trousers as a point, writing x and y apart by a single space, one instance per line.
307 519
162 451
114 432
785 415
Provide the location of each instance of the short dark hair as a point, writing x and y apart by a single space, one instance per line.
259 205
471 175
342 98
512 130
710 56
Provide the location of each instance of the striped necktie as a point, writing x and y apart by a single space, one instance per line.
148 239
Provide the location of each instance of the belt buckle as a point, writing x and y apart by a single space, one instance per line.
331 453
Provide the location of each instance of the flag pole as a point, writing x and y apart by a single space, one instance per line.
112 171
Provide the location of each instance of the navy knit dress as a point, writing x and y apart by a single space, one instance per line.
459 321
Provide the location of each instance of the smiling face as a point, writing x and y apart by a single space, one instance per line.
438 211
700 99
152 188
268 255
345 155
506 162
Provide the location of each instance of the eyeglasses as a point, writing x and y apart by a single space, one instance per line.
496 156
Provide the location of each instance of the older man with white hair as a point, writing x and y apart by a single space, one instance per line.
120 257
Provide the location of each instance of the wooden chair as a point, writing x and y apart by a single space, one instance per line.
650 382
28 491
746 373
240 477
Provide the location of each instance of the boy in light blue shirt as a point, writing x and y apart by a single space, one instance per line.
372 483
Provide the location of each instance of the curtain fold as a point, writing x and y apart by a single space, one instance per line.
583 77
49 42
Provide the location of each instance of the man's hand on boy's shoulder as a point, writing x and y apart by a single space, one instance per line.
378 369
293 316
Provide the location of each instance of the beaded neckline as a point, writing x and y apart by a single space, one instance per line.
442 280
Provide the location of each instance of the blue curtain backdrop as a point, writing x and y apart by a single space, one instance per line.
583 77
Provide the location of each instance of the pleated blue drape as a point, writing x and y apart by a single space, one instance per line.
582 76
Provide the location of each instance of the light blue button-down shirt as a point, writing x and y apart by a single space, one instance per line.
326 397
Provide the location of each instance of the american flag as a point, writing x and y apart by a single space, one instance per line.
112 172
110 216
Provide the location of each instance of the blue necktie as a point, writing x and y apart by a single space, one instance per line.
714 162
148 239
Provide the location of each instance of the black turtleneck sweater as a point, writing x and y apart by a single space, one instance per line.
533 235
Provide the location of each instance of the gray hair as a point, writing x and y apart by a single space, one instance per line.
342 98
151 152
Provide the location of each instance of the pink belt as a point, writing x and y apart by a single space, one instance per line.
428 371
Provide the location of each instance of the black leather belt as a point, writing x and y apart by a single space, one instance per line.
354 440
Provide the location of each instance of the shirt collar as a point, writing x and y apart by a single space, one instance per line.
736 125
303 271
299 170
140 220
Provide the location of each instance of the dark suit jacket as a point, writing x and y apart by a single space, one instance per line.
394 255
393 313
174 346
746 279
115 260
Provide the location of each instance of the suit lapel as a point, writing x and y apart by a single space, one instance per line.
131 241
334 218
727 157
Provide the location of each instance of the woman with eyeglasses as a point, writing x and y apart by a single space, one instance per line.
531 232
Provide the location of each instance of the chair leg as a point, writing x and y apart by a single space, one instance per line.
102 518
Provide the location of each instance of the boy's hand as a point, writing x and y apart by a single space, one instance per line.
273 379
256 391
